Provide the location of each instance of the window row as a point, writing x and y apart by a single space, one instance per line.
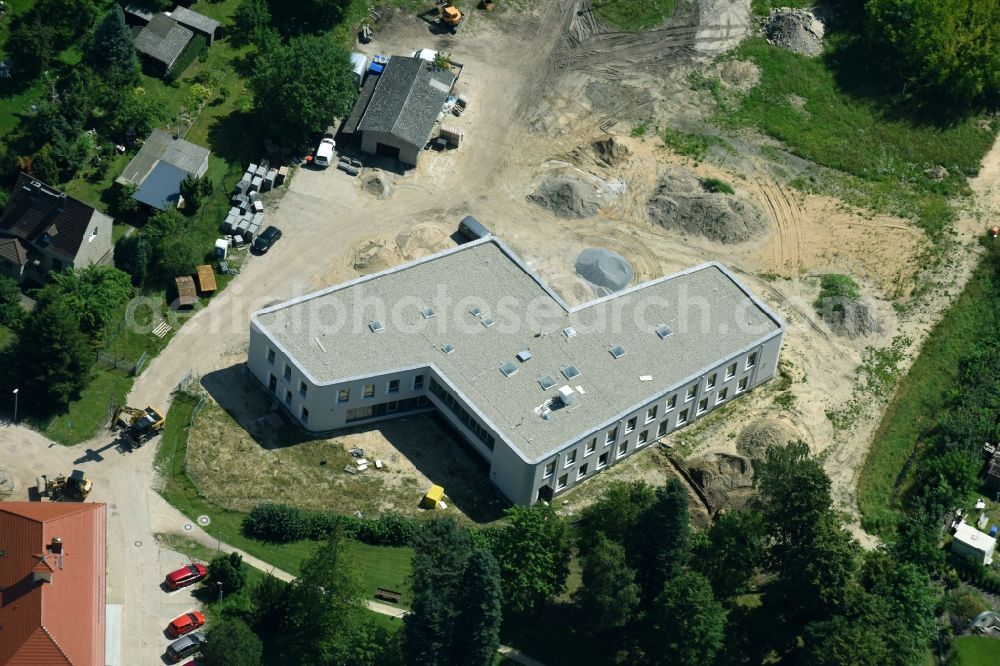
368 390
463 415
384 408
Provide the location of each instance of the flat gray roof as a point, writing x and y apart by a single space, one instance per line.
710 314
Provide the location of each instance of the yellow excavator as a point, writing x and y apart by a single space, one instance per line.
138 426
450 15
75 487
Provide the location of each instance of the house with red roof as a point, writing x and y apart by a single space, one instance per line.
52 584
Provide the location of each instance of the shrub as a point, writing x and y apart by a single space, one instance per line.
836 289
283 524
230 570
716 185
278 523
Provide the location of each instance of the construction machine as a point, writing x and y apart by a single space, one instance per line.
450 15
138 426
75 487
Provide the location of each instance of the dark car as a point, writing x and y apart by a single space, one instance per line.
185 646
268 238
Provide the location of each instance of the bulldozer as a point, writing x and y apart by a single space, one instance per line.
74 487
138 426
451 16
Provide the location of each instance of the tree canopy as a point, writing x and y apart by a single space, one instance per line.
111 52
608 590
54 355
231 642
534 553
685 625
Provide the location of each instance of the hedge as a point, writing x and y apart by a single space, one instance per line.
280 523
980 576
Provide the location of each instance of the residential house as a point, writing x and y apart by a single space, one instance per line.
157 170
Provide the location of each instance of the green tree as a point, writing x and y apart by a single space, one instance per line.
228 569
794 493
840 641
309 15
534 553
301 86
231 642
44 166
174 257
477 626
252 20
195 191
111 51
950 48
32 41
133 255
97 293
685 623
666 548
608 594
617 514
53 354
734 551
11 312
136 113
268 600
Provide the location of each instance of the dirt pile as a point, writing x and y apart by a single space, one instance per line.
852 319
680 202
725 480
378 187
755 439
741 75
607 271
611 153
797 30
566 197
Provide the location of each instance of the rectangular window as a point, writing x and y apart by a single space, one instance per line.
549 469
630 425
392 406
591 446
433 384
270 355
288 397
651 414
731 371
369 391
288 372
602 461
622 448
582 472
570 458
682 418
710 382
418 382
643 438
671 402
751 360
690 393
611 436
561 483
343 395
305 415
272 383
721 396
303 389
702 405
742 385
662 430
393 386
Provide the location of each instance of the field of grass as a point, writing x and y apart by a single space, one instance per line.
378 566
918 400
883 153
975 651
635 15
90 412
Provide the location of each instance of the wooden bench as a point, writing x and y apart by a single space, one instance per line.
388 595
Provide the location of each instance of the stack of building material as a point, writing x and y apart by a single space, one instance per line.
206 279
453 135
280 178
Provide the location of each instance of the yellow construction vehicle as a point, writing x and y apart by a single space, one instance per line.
138 426
75 487
450 15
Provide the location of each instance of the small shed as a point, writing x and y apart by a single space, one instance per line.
970 542
186 294
206 279
432 498
196 23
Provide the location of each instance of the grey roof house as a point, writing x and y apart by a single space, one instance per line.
159 167
197 23
161 42
43 229
395 112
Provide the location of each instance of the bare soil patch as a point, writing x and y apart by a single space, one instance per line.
798 30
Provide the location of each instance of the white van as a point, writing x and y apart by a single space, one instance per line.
324 154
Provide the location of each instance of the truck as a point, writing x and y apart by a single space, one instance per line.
138 426
74 487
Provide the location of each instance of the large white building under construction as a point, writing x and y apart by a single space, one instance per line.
547 394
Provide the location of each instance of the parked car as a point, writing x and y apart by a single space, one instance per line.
186 623
189 575
185 646
324 154
472 228
263 242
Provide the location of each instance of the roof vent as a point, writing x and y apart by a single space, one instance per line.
447 348
427 313
571 371
508 369
546 382
566 395
476 312
569 332
617 351
376 326
523 356
663 331
487 322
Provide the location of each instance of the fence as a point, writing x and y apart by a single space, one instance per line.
119 363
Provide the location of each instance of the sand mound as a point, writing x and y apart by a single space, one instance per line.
725 480
797 30
604 269
760 435
610 152
421 241
566 197
852 319
378 187
740 75
680 202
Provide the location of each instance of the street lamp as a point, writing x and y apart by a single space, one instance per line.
219 583
15 404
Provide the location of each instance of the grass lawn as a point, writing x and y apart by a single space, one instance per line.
975 651
856 132
90 412
635 15
918 401
378 566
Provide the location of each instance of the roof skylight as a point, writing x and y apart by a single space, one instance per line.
376 326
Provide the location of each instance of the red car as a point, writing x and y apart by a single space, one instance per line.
188 622
189 575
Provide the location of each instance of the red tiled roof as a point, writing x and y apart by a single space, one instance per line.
61 620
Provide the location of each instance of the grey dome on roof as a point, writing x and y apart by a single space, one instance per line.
603 268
